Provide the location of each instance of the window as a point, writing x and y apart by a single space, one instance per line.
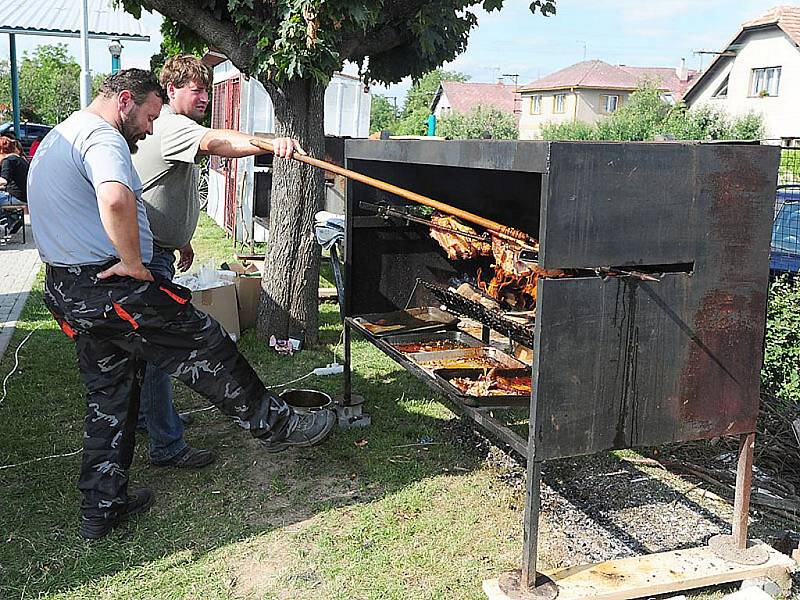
610 103
764 82
722 90
536 105
559 101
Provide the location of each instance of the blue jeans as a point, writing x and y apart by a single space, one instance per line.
157 412
9 219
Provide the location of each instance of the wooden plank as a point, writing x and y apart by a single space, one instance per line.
650 575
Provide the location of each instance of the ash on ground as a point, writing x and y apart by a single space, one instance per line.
601 507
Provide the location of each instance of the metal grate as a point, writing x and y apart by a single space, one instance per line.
789 171
785 248
458 304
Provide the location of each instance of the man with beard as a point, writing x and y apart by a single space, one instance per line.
92 232
166 164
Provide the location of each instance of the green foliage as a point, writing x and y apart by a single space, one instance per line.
49 84
646 115
789 170
417 107
382 114
578 130
281 40
175 39
480 123
781 373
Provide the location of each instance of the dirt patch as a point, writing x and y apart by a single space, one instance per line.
268 567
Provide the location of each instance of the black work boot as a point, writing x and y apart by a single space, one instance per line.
309 430
94 528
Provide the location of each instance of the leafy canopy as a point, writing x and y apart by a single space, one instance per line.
49 85
282 40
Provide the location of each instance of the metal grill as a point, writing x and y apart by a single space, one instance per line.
785 247
464 306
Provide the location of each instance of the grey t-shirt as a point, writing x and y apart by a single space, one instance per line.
166 164
72 161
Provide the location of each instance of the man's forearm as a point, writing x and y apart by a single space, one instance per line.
228 144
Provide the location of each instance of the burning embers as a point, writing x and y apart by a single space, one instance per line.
511 279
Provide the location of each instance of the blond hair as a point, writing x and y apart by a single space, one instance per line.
182 70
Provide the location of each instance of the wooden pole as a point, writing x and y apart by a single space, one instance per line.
404 193
741 500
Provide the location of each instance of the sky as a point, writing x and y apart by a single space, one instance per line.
654 33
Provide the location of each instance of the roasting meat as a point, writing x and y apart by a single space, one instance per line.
457 247
432 346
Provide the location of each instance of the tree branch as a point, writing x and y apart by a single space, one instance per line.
221 34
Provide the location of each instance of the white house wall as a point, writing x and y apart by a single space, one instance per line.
781 113
346 113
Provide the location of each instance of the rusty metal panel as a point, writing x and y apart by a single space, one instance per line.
615 204
623 363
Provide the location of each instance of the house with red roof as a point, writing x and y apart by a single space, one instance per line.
758 71
590 90
462 97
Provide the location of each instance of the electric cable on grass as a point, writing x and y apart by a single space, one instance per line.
41 458
16 361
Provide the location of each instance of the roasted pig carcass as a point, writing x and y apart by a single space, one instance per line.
458 247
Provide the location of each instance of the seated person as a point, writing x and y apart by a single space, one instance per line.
13 182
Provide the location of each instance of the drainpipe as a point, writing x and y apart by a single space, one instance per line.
575 109
12 54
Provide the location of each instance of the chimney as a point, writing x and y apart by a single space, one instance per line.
682 72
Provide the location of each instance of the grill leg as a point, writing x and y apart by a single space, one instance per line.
530 536
741 501
734 548
350 408
347 375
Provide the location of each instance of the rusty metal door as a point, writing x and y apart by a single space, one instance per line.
230 166
225 111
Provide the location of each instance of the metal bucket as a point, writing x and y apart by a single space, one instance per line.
306 401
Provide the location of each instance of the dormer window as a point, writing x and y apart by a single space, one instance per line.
722 90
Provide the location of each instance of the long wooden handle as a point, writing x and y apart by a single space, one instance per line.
488 224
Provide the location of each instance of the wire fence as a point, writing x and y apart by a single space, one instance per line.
785 248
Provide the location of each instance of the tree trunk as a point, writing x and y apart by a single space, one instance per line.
290 285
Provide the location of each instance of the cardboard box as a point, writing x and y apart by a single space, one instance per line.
220 302
248 290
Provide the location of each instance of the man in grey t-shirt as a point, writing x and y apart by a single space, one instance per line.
166 163
90 228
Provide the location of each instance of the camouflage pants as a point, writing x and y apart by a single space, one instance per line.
117 324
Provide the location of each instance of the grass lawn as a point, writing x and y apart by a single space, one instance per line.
364 516
357 518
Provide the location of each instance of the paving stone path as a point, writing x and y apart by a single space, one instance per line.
19 264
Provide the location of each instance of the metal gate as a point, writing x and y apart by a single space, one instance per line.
225 115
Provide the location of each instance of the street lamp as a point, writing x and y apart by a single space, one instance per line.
115 48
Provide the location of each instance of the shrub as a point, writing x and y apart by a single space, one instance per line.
781 373
479 123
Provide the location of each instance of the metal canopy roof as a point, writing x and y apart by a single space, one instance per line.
63 18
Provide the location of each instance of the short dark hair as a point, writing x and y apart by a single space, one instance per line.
138 82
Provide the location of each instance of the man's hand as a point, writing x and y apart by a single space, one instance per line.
186 257
137 271
285 147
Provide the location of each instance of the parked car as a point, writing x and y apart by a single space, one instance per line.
27 132
784 256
